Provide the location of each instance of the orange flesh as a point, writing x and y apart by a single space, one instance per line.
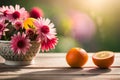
103 54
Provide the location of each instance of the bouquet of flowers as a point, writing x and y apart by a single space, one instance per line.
20 29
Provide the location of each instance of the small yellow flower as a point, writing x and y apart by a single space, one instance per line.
28 23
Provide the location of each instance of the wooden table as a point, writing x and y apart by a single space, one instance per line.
51 66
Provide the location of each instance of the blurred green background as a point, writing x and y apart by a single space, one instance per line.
91 24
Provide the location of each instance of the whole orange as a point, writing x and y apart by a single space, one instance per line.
76 57
103 59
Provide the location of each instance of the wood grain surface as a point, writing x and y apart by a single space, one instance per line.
53 66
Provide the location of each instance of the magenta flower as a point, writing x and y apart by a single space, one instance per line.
30 31
17 13
36 12
48 44
31 34
18 24
20 43
46 33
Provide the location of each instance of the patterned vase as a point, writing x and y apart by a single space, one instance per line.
18 59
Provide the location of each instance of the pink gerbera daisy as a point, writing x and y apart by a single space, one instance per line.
4 11
46 33
2 27
17 13
45 28
20 43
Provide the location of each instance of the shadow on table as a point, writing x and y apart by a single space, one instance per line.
98 71
60 74
6 68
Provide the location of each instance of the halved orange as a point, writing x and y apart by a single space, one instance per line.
103 59
76 57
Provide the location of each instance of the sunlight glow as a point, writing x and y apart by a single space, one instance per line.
96 4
